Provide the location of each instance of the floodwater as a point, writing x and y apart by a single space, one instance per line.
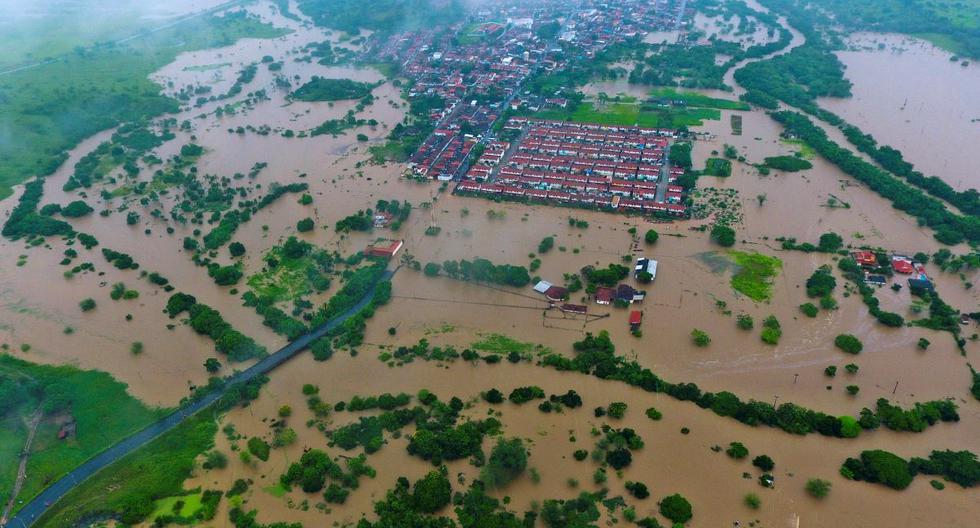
36 304
930 111
718 28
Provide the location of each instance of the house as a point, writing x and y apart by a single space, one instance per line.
604 295
384 251
877 280
626 293
917 286
647 265
574 308
902 265
382 218
636 317
556 293
542 286
865 258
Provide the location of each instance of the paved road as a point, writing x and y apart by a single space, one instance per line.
40 504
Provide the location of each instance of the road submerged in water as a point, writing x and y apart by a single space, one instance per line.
40 504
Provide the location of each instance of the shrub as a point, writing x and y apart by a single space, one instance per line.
851 368
580 454
809 309
676 508
259 448
753 501
830 371
507 461
654 414
736 450
700 338
305 225
87 304
848 343
619 458
651 236
853 389
432 269
723 235
236 249
818 488
493 396
637 489
763 462
525 394
771 336
617 410
744 321
923 343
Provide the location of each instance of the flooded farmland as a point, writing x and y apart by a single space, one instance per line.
268 138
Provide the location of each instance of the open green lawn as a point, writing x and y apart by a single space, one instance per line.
754 274
48 109
132 485
165 506
631 114
102 408
699 100
503 345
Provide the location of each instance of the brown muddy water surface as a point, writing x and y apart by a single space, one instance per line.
36 304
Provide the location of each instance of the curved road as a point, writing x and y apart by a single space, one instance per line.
40 504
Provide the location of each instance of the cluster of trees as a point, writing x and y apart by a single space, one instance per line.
384 16
482 270
522 395
399 210
608 276
385 402
508 459
916 419
224 275
323 89
723 235
950 228
360 221
829 243
119 260
279 321
313 469
787 163
24 219
208 321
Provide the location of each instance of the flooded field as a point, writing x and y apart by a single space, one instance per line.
930 111
692 290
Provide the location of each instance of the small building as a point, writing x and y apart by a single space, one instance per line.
379 249
902 265
556 293
604 295
636 317
626 293
877 280
647 265
542 286
574 308
917 286
865 258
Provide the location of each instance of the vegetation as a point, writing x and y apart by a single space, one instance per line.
322 89
700 338
788 163
482 270
207 321
755 274
848 343
818 488
508 459
723 235
879 466
676 508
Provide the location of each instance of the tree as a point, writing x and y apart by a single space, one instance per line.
507 461
637 489
676 508
619 458
923 343
87 304
723 235
236 249
305 225
879 466
753 501
76 209
737 450
432 492
493 396
259 448
431 269
700 337
212 365
848 343
651 236
809 309
763 462
818 488
830 242
744 321
821 283
617 410
546 244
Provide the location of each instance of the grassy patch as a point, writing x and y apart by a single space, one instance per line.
503 345
165 506
631 114
278 490
698 100
754 275
102 409
130 487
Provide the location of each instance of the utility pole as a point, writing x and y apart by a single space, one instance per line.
774 400
896 388
795 377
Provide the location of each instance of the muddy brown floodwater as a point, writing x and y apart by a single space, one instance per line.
36 304
930 110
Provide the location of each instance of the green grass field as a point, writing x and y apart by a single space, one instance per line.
131 486
48 109
103 411
630 114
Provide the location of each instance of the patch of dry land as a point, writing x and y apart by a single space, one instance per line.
179 215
